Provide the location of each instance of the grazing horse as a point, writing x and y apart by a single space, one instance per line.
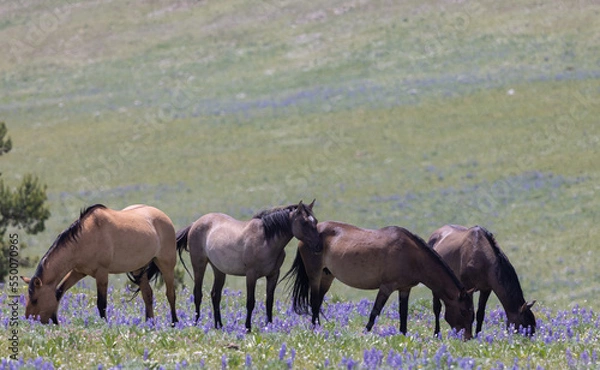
139 240
389 259
475 257
253 249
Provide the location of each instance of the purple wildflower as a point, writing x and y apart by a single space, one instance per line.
248 360
224 362
373 359
585 358
570 360
348 363
439 355
282 351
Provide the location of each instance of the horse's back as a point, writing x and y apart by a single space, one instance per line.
220 226
368 258
466 251
153 216
338 235
225 241
132 237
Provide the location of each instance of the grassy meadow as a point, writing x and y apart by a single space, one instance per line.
412 113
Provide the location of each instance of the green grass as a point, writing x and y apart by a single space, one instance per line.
564 338
413 113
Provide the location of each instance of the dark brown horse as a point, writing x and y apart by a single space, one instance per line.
389 259
139 240
475 257
253 249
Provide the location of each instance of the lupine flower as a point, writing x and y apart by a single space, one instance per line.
248 360
282 351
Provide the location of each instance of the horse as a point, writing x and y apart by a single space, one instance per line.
480 264
389 259
253 249
138 240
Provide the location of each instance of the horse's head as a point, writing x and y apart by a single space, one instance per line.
41 300
304 226
460 314
523 318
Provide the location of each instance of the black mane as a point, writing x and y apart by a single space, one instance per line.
276 221
505 272
70 234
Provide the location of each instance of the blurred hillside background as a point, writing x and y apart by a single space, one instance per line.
411 113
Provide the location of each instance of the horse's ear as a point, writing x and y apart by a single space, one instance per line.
310 206
25 279
37 282
527 306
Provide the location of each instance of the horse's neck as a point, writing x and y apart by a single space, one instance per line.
511 301
444 290
57 265
281 240
438 279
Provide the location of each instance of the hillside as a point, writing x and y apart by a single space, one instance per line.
411 113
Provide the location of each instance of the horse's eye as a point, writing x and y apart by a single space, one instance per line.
34 301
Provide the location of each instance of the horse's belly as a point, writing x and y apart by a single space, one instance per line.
364 271
227 260
361 284
359 279
133 257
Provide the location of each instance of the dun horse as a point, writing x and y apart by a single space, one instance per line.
253 249
389 259
475 257
139 240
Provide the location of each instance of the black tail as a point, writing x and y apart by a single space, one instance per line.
301 288
151 270
182 244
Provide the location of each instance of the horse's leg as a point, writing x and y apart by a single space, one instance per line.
170 292
271 285
483 298
147 294
315 306
403 308
250 299
199 267
382 296
326 281
437 308
102 291
199 261
313 265
167 271
72 278
215 294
